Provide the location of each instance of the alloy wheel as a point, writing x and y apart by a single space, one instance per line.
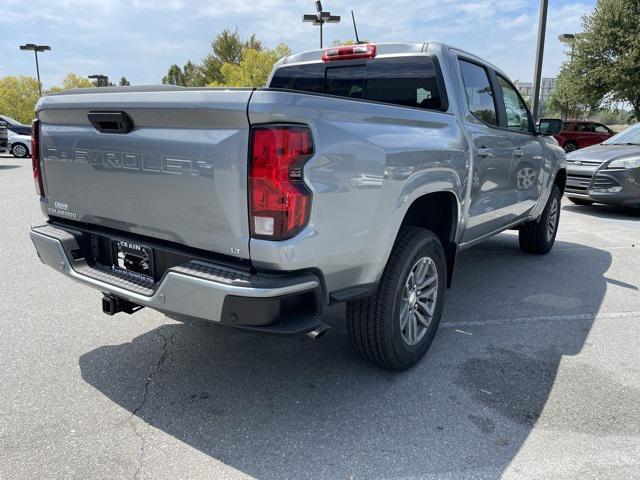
552 222
419 299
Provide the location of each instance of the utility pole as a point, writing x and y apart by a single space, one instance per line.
36 49
542 30
320 18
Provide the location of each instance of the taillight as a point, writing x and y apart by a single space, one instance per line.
35 156
279 199
349 52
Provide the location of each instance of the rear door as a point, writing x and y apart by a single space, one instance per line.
179 175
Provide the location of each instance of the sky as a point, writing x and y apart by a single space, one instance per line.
140 39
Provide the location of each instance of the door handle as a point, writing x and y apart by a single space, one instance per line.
485 152
518 152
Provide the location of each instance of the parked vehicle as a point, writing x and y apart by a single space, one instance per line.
354 177
4 141
19 145
575 135
16 126
607 173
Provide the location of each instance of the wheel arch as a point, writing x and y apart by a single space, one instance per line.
439 213
561 179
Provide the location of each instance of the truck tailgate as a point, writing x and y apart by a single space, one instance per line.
180 174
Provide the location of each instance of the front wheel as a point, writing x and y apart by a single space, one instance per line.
394 328
538 237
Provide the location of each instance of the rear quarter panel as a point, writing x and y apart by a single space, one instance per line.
371 162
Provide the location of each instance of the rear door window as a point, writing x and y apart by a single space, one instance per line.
404 81
480 95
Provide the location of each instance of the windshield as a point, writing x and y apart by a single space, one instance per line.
629 136
9 120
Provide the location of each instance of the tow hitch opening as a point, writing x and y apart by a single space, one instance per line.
112 305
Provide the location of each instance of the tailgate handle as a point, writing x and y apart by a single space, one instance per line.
111 122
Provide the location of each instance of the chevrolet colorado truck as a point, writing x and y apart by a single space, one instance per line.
355 176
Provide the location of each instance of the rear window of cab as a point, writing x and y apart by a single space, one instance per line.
404 81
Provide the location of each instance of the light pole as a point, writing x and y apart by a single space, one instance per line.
36 49
101 80
320 18
542 30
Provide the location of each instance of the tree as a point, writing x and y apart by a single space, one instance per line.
227 46
575 96
71 80
191 76
253 69
18 97
607 54
231 62
124 82
174 76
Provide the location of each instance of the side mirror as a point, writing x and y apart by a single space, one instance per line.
550 126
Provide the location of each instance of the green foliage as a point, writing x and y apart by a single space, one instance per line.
606 61
124 82
575 96
174 76
614 116
71 80
231 62
254 68
18 97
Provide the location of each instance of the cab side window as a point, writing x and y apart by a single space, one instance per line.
480 96
601 128
517 113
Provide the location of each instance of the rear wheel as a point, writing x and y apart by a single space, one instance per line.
538 237
395 327
579 201
570 146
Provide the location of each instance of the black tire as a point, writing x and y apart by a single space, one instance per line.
537 237
579 201
570 146
19 150
374 323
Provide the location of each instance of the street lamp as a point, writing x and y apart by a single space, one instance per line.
101 80
320 18
36 49
569 38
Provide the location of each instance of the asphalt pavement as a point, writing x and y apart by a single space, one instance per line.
534 374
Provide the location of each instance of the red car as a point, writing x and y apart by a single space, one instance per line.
575 135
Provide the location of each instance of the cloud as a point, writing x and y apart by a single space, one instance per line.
141 38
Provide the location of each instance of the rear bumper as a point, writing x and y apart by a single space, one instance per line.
274 303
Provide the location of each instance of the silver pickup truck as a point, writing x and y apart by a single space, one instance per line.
355 176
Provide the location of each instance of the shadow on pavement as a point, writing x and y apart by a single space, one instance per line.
294 408
9 167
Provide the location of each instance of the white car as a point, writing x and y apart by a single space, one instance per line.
19 145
